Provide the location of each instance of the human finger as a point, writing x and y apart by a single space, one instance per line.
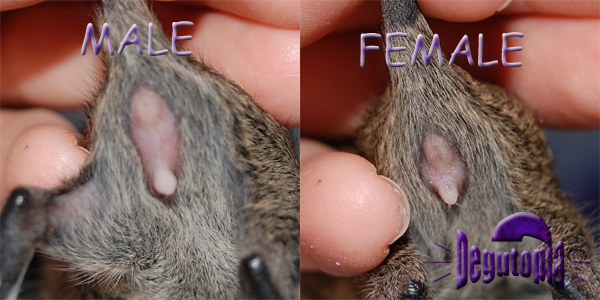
349 214
283 14
264 60
473 10
560 84
39 149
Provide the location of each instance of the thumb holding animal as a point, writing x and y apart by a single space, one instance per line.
350 214
38 149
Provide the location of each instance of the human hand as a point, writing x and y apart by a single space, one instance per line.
559 83
254 43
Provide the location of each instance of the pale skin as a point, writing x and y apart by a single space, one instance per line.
271 74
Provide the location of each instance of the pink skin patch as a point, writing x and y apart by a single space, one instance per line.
156 138
442 167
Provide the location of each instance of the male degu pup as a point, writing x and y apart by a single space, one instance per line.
191 190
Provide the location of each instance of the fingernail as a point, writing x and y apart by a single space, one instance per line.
403 208
84 150
504 5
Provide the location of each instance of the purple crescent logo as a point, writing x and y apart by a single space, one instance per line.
511 229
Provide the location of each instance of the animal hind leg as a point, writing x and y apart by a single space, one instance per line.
401 276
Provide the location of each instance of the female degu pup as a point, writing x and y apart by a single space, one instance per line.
467 155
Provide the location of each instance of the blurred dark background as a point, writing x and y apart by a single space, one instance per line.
576 155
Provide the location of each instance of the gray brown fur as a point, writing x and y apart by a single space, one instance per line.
508 169
237 196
